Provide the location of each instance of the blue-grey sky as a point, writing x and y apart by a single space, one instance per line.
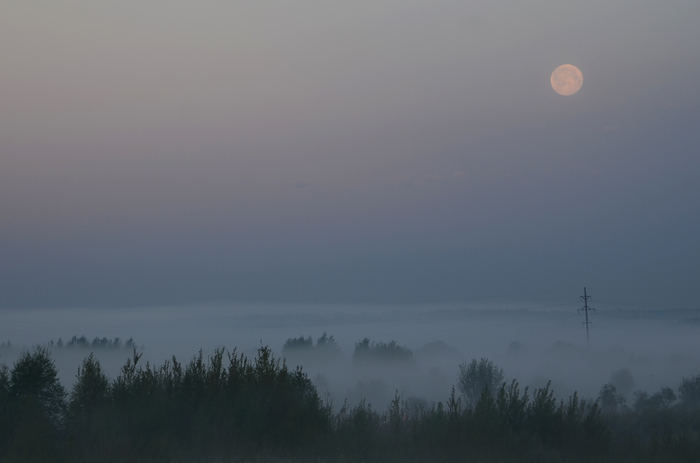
159 152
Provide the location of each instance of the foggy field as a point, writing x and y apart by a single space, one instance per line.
532 345
378 383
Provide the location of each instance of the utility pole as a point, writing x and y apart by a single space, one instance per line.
587 324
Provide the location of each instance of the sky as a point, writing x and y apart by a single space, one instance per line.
160 152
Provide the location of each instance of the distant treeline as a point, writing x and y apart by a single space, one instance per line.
228 407
84 343
96 343
305 344
366 351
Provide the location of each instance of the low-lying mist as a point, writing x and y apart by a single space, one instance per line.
636 350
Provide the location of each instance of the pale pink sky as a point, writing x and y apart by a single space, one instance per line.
159 152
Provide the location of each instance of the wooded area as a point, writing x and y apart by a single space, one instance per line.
231 408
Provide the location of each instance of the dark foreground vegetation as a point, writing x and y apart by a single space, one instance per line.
231 408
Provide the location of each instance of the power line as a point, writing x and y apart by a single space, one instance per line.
585 308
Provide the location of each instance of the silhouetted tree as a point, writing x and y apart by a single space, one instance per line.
4 387
34 378
5 421
542 414
35 409
326 341
610 399
381 352
513 407
658 401
298 343
357 430
90 391
476 376
689 392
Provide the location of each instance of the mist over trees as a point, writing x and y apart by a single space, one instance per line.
689 391
302 350
325 346
227 407
367 351
609 399
478 378
82 342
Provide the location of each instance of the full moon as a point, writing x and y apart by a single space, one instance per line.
566 79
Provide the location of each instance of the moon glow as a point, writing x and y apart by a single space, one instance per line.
566 79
